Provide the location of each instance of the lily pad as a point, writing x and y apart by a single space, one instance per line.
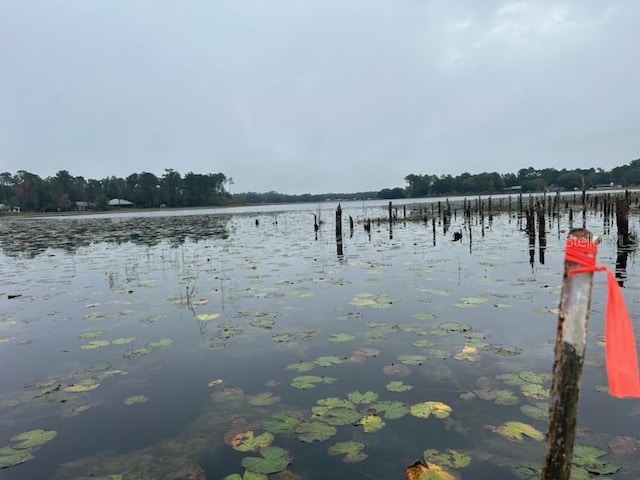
454 327
123 340
353 451
588 458
515 431
327 361
412 359
10 457
341 337
274 460
249 442
390 410
301 366
371 423
448 458
264 399
90 335
468 353
426 409
362 398
163 342
468 302
398 386
315 431
431 471
539 411
32 438
135 399
85 385
95 344
309 381
206 317
339 416
324 404
282 423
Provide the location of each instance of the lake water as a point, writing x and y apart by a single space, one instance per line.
223 335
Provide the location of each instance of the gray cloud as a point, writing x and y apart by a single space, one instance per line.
317 96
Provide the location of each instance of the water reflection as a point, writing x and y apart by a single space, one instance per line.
32 237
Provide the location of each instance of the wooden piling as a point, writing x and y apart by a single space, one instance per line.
339 231
575 301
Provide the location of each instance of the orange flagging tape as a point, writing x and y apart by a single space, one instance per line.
620 344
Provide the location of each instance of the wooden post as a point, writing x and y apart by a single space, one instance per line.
575 301
390 221
339 231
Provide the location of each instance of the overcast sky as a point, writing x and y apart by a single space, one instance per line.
317 96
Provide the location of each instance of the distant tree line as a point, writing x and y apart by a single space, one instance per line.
61 192
529 179
275 197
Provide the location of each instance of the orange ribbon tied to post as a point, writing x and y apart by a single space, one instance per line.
621 356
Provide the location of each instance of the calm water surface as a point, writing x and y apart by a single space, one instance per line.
263 299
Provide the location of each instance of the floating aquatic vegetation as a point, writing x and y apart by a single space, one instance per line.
503 350
468 353
309 432
468 302
215 383
7 323
283 337
454 327
535 391
85 385
412 359
207 317
354 452
309 381
77 409
249 442
448 458
227 393
371 423
339 416
150 347
423 343
397 369
264 323
327 361
264 399
439 292
301 366
123 340
32 438
10 457
390 410
487 389
362 398
398 386
426 409
282 423
274 460
424 316
227 331
429 471
95 344
372 301
341 337
92 334
324 404
515 431
588 457
135 399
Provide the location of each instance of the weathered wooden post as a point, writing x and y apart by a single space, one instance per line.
390 221
433 226
575 301
542 235
339 231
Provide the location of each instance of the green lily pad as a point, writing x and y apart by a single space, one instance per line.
327 361
426 409
448 458
32 438
588 458
362 398
282 423
339 416
315 431
264 399
92 334
468 302
412 359
324 404
390 410
249 442
135 399
341 337
454 327
398 386
264 323
206 317
301 366
371 423
10 457
353 451
274 460
535 391
283 337
123 340
372 301
163 342
95 344
539 411
423 316
85 385
423 343
515 431
309 381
